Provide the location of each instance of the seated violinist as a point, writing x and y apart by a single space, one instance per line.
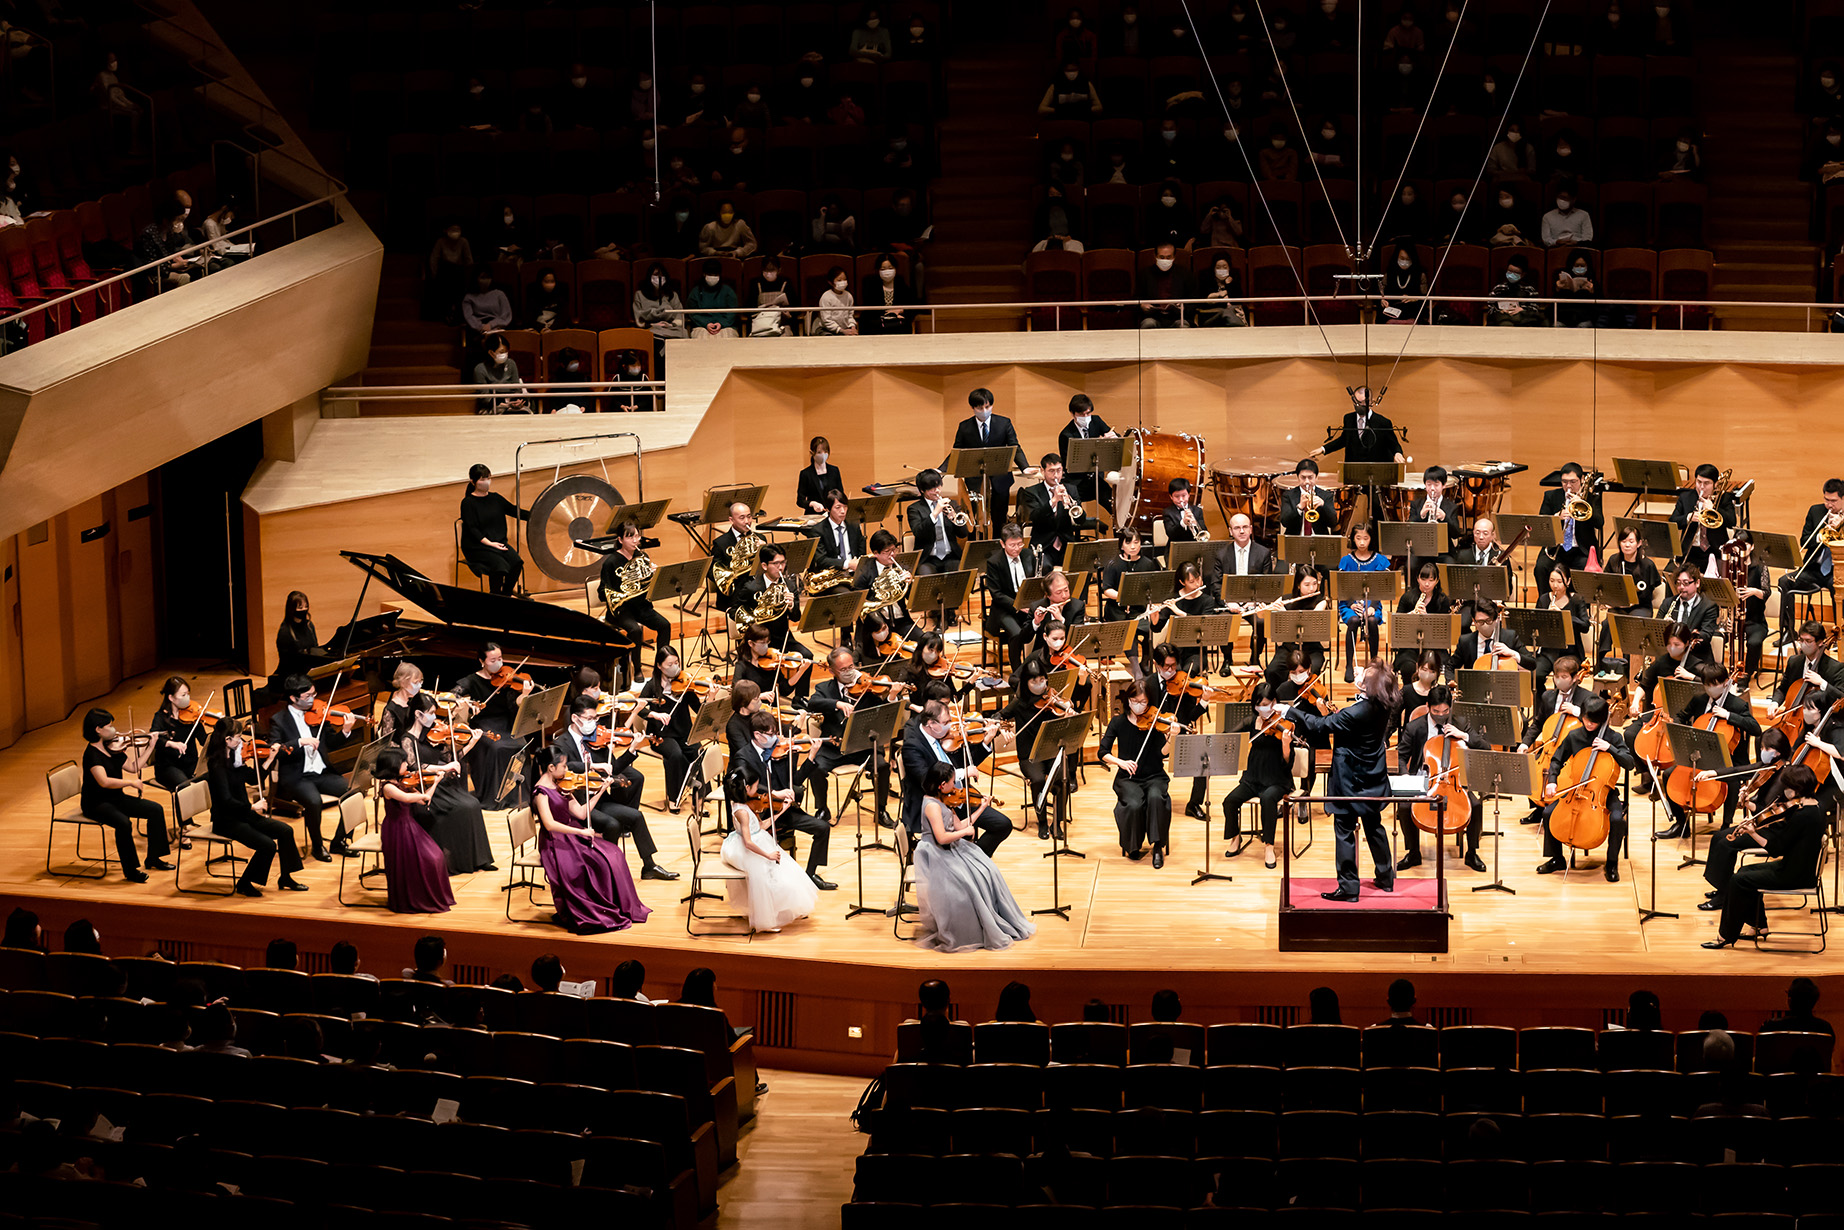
1572 757
617 812
755 663
1794 831
928 741
1052 648
1033 704
1413 757
1764 784
836 700
1135 745
1267 779
779 772
301 741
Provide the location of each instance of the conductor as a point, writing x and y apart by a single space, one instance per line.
1360 733
1366 435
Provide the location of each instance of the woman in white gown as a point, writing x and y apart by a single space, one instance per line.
965 903
776 891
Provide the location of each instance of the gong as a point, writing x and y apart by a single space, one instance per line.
578 506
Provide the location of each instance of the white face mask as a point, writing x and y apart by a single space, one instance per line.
670 670
754 98
711 279
1403 262
1328 133
585 724
1164 263
1264 708
820 458
1138 706
697 87
1769 755
1298 676
500 357
888 275
839 285
1039 686
412 689
929 656
1083 420
806 83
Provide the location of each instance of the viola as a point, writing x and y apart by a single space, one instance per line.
700 686
321 711
1194 686
1280 727
594 779
1790 718
621 702
1069 659
791 745
1584 787
974 730
1164 722
873 685
447 732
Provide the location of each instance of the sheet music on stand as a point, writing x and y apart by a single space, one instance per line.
799 552
940 591
1318 550
1636 636
1545 532
717 502
1091 555
1657 535
1410 631
538 710
1351 586
1098 456
1411 539
1252 589
872 508
1465 582
1139 589
1650 475
1545 631
1719 590
1230 716
1498 723
832 611
1102 640
1224 754
1505 775
1301 626
873 726
709 722
359 774
1178 554
678 581
1495 687
1202 631
1680 694
976 467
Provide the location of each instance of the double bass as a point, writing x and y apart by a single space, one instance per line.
1445 784
1584 786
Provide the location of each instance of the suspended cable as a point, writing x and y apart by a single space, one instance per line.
1298 123
1408 159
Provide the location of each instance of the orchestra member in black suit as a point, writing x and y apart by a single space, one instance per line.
742 524
1720 855
1595 732
618 811
1056 605
1359 735
1753 595
1241 556
1700 541
1490 638
1689 607
922 747
1565 692
1312 495
297 644
984 429
1437 506
1184 520
841 542
882 559
778 773
1410 759
1366 436
1084 424
1483 551
1796 837
1006 569
1577 536
938 525
1811 663
301 768
1815 573
111 768
1718 697
835 702
1053 511
817 477
758 596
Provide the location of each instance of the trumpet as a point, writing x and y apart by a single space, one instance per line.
1309 512
1188 518
1577 508
951 513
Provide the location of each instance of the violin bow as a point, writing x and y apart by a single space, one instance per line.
201 715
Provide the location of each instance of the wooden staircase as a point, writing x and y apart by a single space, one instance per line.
981 205
406 349
1759 217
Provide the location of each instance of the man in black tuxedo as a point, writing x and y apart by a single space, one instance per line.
882 559
1437 506
1411 743
1502 643
749 593
988 430
922 748
1184 520
739 527
1700 542
618 811
1815 573
1055 605
931 521
833 701
301 771
1366 436
1482 552
1689 607
1810 663
1310 493
1006 569
778 774
1241 556
1052 510
1577 536
1596 732
1084 424
841 541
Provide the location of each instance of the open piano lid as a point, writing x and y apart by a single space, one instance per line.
490 613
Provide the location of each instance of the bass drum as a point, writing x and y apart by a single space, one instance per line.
1246 485
1158 458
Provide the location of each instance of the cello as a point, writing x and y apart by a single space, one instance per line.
1444 784
1683 788
1790 718
1580 816
1555 727
1811 757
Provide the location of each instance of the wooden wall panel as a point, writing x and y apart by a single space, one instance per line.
12 662
133 576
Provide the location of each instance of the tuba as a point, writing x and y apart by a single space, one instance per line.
742 560
888 590
631 579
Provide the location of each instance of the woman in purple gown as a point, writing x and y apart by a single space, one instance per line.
590 882
415 869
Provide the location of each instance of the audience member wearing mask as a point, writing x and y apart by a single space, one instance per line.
885 295
835 317
727 235
450 260
657 306
1566 224
486 309
547 304
769 294
629 369
498 368
1506 310
1403 277
709 292
1221 286
1512 157
870 42
1161 284
1575 280
1280 161
1070 96
1167 221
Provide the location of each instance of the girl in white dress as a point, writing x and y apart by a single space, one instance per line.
964 901
776 891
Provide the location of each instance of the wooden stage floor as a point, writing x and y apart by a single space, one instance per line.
1128 922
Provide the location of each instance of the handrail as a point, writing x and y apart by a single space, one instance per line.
538 390
192 248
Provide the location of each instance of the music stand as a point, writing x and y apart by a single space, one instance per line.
1637 636
800 552
1423 632
676 581
1031 591
870 728
864 508
1471 582
1773 550
1656 534
1646 476
1140 589
360 775
1091 555
1318 550
1099 456
1300 626
908 561
537 711
1680 694
975 467
933 591
1057 739
1695 749
1410 539
1110 640
1497 721
1178 554
1498 775
1370 475
717 502
1538 628
1510 689
1202 631
645 516
833 611
1215 755
973 553
1604 590
1545 531
709 723
1252 589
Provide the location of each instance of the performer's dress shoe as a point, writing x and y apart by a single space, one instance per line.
1709 905
1194 810
1474 861
320 855
248 890
1612 872
824 885
653 871
1408 861
1551 866
288 884
135 877
884 821
1158 858
1677 830
1043 829
1719 943
1339 896
341 847
1381 887
157 864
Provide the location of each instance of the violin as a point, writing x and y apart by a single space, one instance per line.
973 730
1052 699
1165 723
195 712
624 739
958 797
508 674
787 745
1194 686
1768 816
425 779
1069 659
1282 728
623 703
132 738
872 685
700 687
447 732
944 668
594 779
791 665
321 711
